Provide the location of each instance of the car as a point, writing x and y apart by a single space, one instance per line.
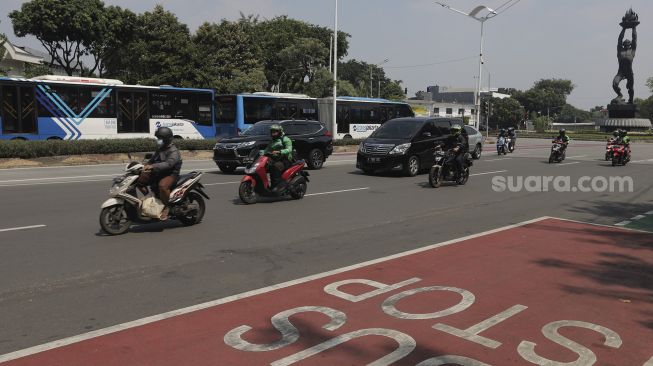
475 142
312 142
404 145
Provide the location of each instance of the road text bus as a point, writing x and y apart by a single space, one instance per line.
73 108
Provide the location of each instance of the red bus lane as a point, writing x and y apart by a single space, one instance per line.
550 292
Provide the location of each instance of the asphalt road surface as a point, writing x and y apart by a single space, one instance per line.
59 276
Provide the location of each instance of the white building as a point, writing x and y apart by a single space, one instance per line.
17 59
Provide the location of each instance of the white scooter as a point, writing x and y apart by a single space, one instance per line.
127 204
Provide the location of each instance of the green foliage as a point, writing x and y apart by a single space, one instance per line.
357 73
226 58
507 112
649 83
3 39
37 149
542 123
645 107
111 48
36 70
547 96
66 29
571 114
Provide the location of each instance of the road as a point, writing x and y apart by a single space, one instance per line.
59 276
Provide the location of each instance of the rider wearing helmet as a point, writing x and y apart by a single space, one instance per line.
502 132
513 136
280 150
163 168
457 143
624 140
563 138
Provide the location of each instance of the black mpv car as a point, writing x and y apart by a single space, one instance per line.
404 145
311 141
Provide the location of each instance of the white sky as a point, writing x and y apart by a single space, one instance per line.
571 39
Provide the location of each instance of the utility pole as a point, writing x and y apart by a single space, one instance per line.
335 73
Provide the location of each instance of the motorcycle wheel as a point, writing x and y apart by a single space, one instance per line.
464 177
298 188
615 161
114 220
435 179
194 198
551 159
247 193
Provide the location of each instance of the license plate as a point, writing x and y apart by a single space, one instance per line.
373 160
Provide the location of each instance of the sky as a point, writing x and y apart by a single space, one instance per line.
535 39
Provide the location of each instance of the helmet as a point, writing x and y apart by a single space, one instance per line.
165 135
624 133
276 128
456 129
563 132
616 133
511 129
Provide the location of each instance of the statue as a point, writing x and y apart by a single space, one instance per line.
626 54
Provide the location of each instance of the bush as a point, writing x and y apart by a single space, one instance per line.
37 149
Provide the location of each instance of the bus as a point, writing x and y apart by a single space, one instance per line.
73 108
357 117
236 113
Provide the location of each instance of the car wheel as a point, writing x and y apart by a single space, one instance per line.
412 166
227 168
315 159
478 152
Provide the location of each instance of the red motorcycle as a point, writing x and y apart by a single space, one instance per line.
256 182
620 155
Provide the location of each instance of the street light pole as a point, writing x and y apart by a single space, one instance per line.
480 79
379 64
335 73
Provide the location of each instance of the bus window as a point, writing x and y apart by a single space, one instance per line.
161 105
343 118
292 111
204 110
184 106
104 109
281 111
226 112
132 115
258 109
308 110
405 111
69 95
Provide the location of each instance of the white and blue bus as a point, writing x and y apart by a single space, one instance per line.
357 117
73 108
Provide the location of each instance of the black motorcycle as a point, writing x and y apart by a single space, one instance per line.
444 169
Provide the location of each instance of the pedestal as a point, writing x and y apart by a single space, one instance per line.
622 110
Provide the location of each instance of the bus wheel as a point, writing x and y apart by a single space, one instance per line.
348 137
55 138
177 137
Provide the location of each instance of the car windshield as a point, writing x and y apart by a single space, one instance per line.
398 129
259 129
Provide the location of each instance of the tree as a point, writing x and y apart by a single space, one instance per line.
159 53
507 112
571 114
645 107
36 70
301 60
66 29
546 97
649 83
226 58
3 39
117 31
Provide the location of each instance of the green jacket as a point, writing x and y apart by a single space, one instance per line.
282 144
564 138
625 140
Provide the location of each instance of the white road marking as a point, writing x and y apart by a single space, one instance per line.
191 309
576 162
48 183
638 217
488 173
491 160
218 184
87 165
37 179
623 223
22 228
576 157
642 161
649 213
334 192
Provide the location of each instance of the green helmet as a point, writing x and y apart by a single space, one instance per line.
276 128
456 129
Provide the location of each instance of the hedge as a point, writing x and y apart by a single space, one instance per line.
38 149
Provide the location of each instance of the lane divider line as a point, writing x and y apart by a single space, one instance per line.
491 160
22 228
576 162
623 223
638 217
334 192
488 173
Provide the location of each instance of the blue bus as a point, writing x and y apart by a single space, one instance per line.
73 108
357 117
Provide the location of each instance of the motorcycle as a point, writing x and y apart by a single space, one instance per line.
502 146
444 169
257 183
558 153
511 144
620 155
127 204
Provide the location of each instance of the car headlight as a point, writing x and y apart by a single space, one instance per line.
400 149
246 144
361 146
217 146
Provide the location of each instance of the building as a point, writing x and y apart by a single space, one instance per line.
18 58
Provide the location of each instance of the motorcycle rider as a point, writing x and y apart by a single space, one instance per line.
280 150
457 144
563 139
513 136
624 140
162 168
502 132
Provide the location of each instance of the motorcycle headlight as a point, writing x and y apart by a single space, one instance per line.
400 149
246 144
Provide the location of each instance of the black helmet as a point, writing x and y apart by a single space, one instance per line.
511 129
624 133
165 134
563 131
615 133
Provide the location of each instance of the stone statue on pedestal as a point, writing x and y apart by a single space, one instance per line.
626 55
